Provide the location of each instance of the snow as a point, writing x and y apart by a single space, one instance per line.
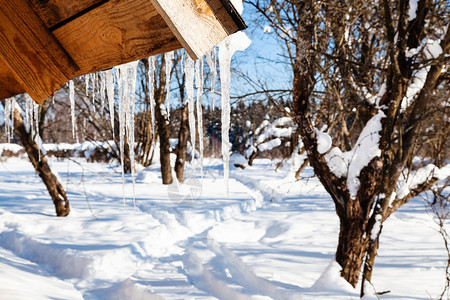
352 162
376 227
412 13
243 246
374 99
297 160
14 148
411 52
330 280
238 5
249 151
269 145
408 182
324 141
282 127
432 49
238 159
414 88
21 279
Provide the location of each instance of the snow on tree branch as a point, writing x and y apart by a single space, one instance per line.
408 183
351 163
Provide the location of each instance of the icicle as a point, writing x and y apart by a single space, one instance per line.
72 105
151 91
233 43
212 63
225 74
94 83
13 108
86 83
9 118
102 92
37 137
36 117
132 74
7 114
183 57
122 91
168 58
189 71
29 113
127 87
110 93
77 138
199 86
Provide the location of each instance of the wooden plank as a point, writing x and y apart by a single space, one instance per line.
53 12
193 23
8 84
35 57
114 33
227 15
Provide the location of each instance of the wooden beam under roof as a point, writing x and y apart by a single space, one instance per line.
195 24
27 47
114 33
54 12
80 37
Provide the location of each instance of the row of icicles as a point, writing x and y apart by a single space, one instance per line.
124 76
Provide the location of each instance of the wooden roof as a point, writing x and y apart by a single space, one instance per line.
45 43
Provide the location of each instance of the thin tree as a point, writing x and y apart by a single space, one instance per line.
39 161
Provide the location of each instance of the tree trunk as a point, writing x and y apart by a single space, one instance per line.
252 157
183 136
369 263
164 143
40 164
302 167
352 247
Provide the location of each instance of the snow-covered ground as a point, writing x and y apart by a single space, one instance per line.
269 238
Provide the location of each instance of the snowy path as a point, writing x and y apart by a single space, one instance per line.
270 239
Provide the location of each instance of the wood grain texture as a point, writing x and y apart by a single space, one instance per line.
114 33
93 35
193 23
53 12
223 16
35 57
8 83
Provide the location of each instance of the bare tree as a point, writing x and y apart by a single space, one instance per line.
366 74
40 163
162 121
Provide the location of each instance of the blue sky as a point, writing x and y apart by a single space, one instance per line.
259 61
